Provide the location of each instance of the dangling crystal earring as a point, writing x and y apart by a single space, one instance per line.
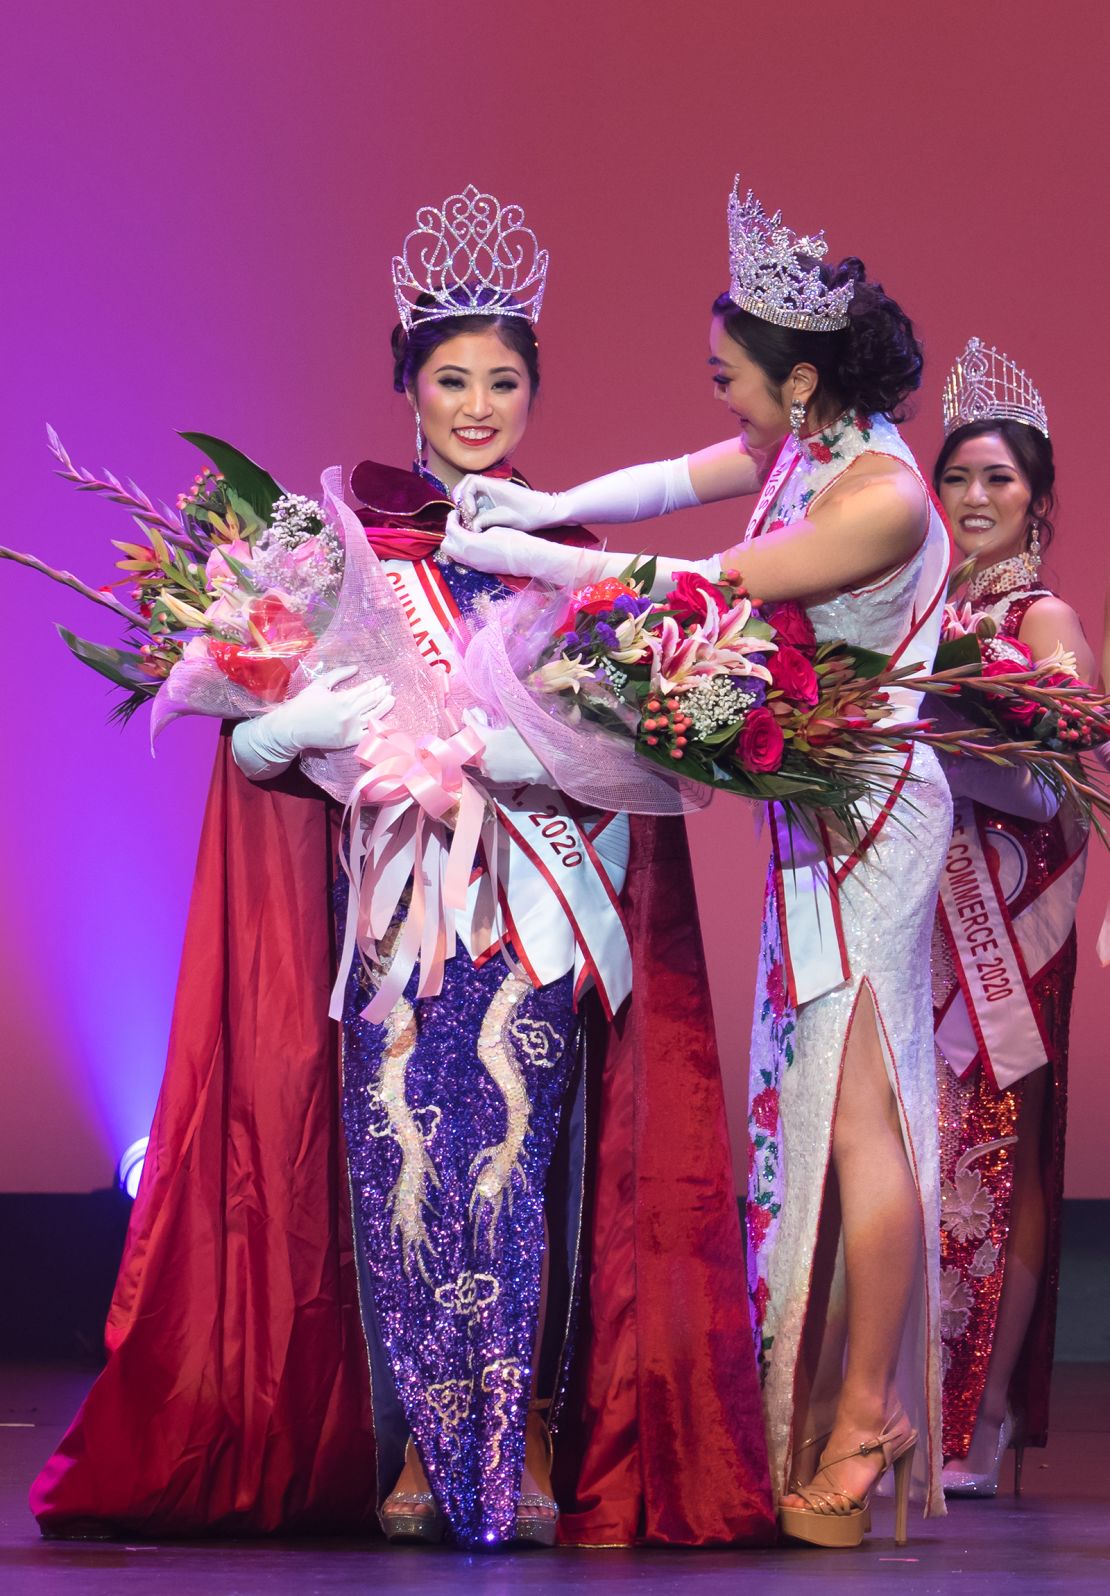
797 418
1032 555
418 463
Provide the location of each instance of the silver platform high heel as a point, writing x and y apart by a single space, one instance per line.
960 1481
412 1515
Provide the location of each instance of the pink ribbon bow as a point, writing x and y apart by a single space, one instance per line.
413 784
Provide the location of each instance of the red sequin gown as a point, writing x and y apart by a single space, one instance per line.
977 1187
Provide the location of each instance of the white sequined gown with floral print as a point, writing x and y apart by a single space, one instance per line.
887 900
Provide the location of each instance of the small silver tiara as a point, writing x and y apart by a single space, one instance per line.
985 385
471 257
766 276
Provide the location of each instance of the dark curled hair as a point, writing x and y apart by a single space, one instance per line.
1031 450
871 365
412 349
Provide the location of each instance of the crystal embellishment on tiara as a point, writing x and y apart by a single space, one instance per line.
471 256
766 274
985 385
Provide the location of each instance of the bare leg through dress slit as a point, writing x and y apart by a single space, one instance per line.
871 1218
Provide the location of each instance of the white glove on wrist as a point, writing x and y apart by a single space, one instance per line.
506 552
635 494
318 717
509 553
1016 791
506 757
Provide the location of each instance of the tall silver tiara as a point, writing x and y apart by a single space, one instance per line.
472 256
766 276
985 385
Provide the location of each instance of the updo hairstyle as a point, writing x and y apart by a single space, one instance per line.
872 365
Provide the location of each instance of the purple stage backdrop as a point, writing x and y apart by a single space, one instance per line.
202 202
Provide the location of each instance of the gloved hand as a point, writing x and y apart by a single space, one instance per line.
318 717
506 758
508 553
492 501
634 494
1016 790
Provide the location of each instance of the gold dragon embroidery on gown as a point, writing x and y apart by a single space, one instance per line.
495 1168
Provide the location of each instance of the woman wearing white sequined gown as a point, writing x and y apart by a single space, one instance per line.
843 1206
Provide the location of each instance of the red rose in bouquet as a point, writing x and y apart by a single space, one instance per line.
761 743
793 626
794 677
690 598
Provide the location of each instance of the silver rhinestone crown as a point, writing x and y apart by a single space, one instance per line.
985 385
766 275
472 256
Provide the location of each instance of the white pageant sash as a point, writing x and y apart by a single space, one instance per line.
551 896
993 1016
547 854
787 459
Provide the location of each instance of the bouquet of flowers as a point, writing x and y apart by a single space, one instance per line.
241 575
740 696
1012 708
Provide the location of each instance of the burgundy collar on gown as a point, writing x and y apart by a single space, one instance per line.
404 514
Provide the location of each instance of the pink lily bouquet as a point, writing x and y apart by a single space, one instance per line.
722 690
739 696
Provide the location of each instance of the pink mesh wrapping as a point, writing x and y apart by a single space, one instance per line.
367 630
594 766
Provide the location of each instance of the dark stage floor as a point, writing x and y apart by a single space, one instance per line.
1056 1538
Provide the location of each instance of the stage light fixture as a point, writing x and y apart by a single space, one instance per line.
131 1166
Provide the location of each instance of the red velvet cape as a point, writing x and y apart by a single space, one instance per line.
236 1400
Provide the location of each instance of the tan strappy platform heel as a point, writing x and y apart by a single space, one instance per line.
833 1517
412 1515
537 1514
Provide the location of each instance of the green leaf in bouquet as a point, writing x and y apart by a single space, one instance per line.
722 737
641 574
243 477
117 664
251 522
131 705
761 629
640 674
958 651
242 573
866 661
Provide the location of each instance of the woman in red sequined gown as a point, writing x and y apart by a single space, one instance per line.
1002 1106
